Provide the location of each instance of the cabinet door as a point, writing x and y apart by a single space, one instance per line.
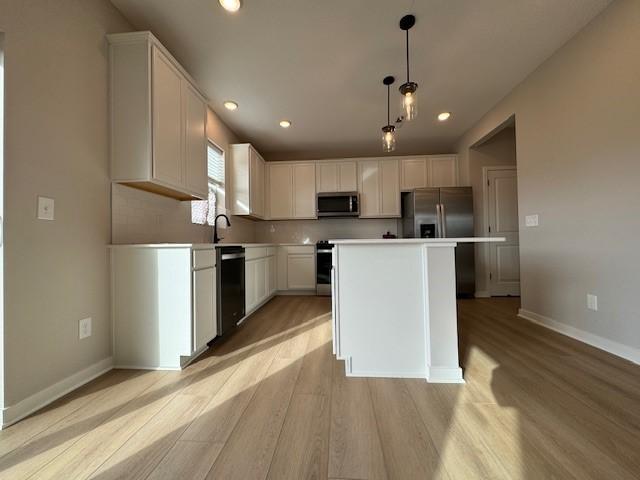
204 307
389 188
256 179
369 183
195 142
251 298
301 274
280 191
167 121
443 171
348 176
261 280
304 190
327 176
413 173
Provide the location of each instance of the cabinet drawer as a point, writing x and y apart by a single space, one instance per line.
301 249
255 252
204 258
271 251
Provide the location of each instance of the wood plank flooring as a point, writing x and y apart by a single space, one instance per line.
271 402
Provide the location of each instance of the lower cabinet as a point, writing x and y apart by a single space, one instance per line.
260 274
163 304
296 267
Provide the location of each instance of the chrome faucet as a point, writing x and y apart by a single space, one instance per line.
217 239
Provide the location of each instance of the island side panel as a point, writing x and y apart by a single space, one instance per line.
443 364
381 316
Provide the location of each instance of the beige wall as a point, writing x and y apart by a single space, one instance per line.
142 217
56 273
578 148
499 150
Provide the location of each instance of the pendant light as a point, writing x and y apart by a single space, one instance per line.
409 90
388 131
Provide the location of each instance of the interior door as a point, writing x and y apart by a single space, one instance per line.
167 121
504 276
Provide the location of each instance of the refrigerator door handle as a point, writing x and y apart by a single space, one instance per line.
438 222
443 219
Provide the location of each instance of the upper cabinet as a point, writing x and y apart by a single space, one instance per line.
428 171
337 176
379 187
247 181
158 120
291 190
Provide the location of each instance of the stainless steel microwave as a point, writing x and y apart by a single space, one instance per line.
338 204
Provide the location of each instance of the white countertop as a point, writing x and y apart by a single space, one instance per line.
200 246
410 241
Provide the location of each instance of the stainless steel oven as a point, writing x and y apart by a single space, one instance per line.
338 204
323 268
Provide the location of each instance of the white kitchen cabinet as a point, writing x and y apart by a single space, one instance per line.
414 173
296 268
291 190
163 304
246 181
204 306
158 120
379 188
336 176
260 274
443 170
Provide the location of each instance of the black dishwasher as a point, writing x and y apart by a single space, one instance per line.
230 287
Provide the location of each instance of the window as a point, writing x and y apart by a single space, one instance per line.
203 212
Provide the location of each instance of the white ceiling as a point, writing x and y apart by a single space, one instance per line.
320 63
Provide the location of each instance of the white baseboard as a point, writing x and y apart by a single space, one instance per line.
18 411
306 293
482 294
444 375
610 346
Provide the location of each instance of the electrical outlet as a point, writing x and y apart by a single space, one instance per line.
45 208
531 220
84 328
592 302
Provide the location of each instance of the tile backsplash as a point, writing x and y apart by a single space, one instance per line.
310 231
143 217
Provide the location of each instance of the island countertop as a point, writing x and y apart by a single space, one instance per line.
409 241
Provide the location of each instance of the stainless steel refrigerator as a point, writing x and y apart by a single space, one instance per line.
443 213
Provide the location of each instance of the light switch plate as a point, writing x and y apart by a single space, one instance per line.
592 302
45 208
84 328
531 220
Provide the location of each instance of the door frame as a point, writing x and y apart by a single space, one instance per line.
486 252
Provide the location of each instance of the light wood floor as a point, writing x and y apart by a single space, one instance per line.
271 402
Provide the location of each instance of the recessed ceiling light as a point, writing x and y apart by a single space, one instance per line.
444 116
230 5
229 105
285 123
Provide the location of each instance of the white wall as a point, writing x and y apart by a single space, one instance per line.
578 149
143 217
56 134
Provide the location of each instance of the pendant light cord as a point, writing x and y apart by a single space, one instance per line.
407 55
388 97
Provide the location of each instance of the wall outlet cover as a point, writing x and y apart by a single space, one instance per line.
531 220
84 328
592 302
45 208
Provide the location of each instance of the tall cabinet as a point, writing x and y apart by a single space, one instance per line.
158 120
247 181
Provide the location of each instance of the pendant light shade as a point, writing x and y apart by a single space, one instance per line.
409 90
388 131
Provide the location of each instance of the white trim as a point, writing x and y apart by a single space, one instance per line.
444 375
284 293
27 406
486 253
482 294
386 374
610 346
146 367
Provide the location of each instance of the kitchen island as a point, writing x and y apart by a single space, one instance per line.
394 307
